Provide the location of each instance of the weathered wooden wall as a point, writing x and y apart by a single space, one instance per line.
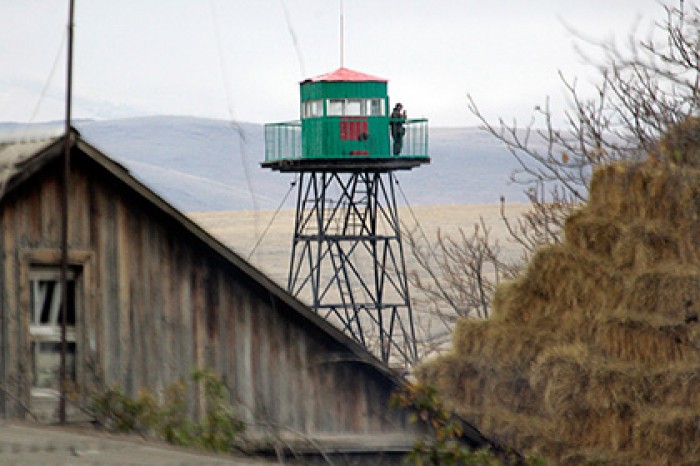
157 302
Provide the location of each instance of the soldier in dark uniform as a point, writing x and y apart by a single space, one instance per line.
398 117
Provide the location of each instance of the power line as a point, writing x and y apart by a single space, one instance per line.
415 219
49 78
295 41
229 107
274 216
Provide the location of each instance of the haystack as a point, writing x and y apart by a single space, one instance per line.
593 353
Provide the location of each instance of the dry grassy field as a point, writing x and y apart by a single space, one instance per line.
242 230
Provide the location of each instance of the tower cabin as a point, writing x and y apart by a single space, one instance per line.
345 123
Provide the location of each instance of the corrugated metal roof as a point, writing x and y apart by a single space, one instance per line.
13 155
19 133
347 75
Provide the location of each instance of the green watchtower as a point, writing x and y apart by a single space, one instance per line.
344 116
347 258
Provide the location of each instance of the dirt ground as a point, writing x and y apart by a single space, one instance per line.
33 445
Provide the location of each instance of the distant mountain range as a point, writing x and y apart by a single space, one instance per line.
202 165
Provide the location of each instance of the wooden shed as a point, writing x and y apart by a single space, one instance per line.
151 296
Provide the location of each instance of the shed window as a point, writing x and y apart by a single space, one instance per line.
46 298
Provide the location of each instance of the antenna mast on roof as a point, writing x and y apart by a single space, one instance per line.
342 39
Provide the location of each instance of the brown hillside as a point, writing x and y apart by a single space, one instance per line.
593 352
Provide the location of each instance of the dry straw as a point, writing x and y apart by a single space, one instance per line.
593 353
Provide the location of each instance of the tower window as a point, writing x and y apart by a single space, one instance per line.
355 107
375 107
312 108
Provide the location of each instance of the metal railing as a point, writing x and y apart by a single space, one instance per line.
283 141
415 140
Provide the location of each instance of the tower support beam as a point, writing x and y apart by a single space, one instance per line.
348 261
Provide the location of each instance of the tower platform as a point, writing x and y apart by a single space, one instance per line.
346 165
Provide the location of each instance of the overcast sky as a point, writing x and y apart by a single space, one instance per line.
244 59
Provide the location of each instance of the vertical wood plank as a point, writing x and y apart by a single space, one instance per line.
210 316
150 312
10 314
224 334
186 343
186 337
181 296
22 314
34 218
162 275
300 392
96 244
123 347
78 228
50 209
267 338
136 304
237 332
245 358
282 381
110 284
4 343
198 328
258 405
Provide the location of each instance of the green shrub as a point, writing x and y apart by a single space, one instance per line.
445 446
220 429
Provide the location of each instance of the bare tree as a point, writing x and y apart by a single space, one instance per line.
643 90
456 278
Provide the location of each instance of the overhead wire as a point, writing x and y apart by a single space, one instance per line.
302 69
432 252
237 127
37 106
293 36
49 78
272 219
298 52
238 130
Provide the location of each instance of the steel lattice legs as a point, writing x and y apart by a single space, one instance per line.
348 262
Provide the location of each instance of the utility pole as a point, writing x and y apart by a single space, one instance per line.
64 219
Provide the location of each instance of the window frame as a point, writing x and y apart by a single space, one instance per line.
367 105
41 335
312 108
48 274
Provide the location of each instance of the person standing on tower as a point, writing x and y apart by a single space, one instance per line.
397 120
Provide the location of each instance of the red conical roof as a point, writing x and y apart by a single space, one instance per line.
345 74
